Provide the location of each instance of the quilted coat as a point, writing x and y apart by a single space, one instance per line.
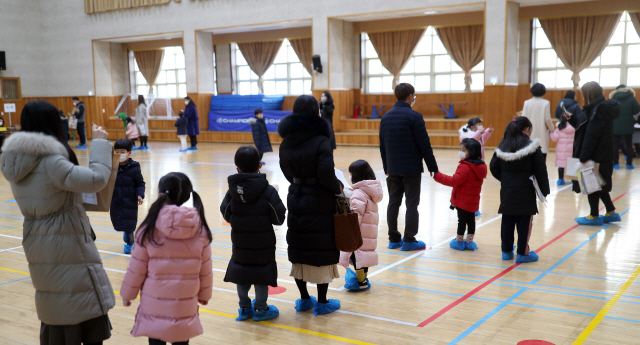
124 204
170 277
65 266
466 183
564 148
364 201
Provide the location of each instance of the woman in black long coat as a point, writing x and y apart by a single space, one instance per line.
326 110
260 133
306 160
594 141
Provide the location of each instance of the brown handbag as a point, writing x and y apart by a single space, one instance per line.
348 237
101 201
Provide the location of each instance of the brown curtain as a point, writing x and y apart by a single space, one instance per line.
149 63
394 49
260 56
304 49
465 44
578 41
635 19
96 6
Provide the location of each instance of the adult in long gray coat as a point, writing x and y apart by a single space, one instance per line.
73 293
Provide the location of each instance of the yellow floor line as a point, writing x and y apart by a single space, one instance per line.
605 310
3 231
12 270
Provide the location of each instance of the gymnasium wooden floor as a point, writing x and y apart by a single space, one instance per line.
581 290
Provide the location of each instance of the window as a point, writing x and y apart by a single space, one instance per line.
287 76
618 64
430 69
172 78
10 88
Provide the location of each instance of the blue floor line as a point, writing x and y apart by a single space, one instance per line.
13 281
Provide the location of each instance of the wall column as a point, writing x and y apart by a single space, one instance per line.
204 45
189 47
224 79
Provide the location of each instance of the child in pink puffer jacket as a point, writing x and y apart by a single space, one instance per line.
367 193
563 136
170 266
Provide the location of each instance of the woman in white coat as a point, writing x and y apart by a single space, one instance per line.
538 111
142 121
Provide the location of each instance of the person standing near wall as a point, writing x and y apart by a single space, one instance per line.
538 111
404 143
193 130
142 121
623 126
79 113
326 110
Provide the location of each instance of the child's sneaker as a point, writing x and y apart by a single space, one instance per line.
590 220
523 259
470 245
326 308
560 182
271 313
128 248
478 214
305 304
457 245
411 246
508 255
611 218
395 245
244 314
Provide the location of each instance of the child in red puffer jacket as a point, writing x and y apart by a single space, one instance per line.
467 184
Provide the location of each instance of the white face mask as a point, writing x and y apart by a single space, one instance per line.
462 155
323 99
413 102
186 102
479 127
123 157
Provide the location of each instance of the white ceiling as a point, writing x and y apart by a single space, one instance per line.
262 27
414 13
155 37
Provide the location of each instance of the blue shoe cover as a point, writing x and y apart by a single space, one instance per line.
182 150
411 246
616 166
594 222
395 245
523 259
508 255
470 245
306 304
268 314
193 148
611 218
127 248
478 214
456 245
630 166
351 280
245 314
326 308
560 182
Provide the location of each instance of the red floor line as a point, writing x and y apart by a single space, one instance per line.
507 270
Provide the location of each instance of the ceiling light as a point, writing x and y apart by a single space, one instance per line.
430 12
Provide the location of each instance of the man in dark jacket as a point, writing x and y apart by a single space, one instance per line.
568 104
128 194
623 125
404 143
79 113
252 206
260 134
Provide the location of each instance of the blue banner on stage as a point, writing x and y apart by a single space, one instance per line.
238 120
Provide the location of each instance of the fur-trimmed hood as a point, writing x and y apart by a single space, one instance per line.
625 90
468 134
23 150
523 152
300 127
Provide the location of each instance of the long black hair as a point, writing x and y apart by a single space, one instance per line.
190 101
514 138
563 122
329 98
141 100
471 123
175 189
306 105
360 170
473 148
43 117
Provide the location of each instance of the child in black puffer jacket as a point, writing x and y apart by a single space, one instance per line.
128 193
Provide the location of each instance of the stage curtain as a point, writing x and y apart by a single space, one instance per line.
304 50
635 19
260 56
578 41
465 44
394 49
149 63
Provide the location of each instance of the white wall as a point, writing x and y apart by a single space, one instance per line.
48 43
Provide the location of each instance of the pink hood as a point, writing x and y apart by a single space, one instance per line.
177 222
373 188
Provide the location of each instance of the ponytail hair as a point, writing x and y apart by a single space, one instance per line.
514 138
563 122
472 122
175 189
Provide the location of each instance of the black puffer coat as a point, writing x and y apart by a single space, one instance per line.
305 153
326 110
570 105
513 169
124 204
260 135
593 139
252 206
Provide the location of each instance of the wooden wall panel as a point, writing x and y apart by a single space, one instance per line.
288 102
499 108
